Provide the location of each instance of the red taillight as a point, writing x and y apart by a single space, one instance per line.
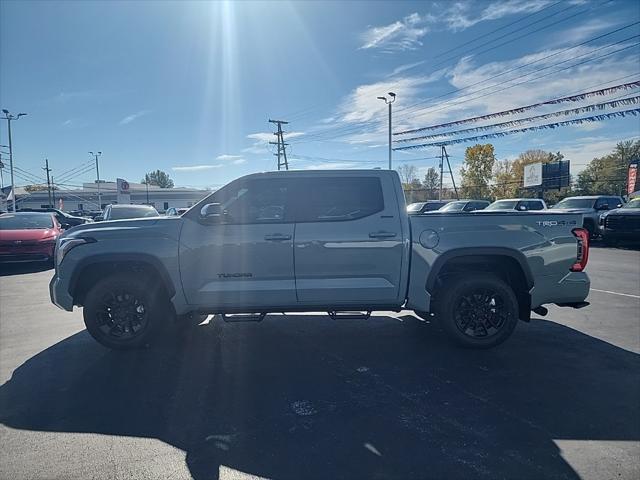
583 249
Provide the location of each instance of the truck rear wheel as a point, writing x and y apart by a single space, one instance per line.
477 310
124 311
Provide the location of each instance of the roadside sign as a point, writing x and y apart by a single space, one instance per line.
533 175
632 178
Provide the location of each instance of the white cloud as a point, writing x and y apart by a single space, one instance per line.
398 36
234 159
67 123
462 15
407 33
195 168
262 138
405 67
225 156
133 116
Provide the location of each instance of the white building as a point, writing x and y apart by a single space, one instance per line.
86 198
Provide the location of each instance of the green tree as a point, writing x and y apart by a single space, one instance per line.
608 174
431 183
477 171
158 178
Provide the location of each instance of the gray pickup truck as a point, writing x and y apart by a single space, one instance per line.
334 241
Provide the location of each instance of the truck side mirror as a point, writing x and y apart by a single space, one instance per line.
211 213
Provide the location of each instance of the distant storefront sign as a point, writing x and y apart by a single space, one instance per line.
533 175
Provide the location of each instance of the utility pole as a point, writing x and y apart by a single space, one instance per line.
53 191
1 172
389 101
282 151
95 156
9 118
455 189
441 170
47 169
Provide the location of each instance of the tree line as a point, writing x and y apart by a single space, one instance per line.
483 176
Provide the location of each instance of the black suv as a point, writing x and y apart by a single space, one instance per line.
64 219
621 223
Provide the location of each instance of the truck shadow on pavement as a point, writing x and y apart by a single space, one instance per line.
294 397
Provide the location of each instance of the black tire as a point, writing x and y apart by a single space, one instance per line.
477 310
125 311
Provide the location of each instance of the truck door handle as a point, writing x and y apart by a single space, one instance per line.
382 234
277 237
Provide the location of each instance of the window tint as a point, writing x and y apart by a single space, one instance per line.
432 206
479 205
453 207
254 201
27 221
602 201
132 212
533 205
334 199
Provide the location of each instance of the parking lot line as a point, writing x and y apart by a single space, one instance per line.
616 293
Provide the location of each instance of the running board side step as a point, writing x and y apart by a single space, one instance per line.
336 315
243 317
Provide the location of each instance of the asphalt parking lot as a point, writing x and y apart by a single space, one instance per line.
302 396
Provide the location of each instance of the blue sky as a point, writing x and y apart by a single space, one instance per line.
188 87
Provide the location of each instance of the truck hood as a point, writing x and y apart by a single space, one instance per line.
573 210
127 227
631 212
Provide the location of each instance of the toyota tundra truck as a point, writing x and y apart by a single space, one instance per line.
334 241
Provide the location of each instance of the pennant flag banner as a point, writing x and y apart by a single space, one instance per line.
576 121
572 98
513 123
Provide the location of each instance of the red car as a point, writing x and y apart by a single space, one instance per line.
28 237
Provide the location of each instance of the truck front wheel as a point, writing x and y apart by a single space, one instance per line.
125 311
477 310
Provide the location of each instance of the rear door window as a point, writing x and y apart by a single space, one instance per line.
330 199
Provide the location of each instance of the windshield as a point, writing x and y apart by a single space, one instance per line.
453 207
415 207
576 203
635 203
35 221
503 205
132 212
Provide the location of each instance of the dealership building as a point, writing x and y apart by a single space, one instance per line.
86 198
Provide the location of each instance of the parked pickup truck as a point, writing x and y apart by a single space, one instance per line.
335 241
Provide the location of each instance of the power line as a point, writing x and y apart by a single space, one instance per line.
448 104
564 50
498 29
314 107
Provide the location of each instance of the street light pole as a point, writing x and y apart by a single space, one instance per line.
95 156
9 117
389 101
